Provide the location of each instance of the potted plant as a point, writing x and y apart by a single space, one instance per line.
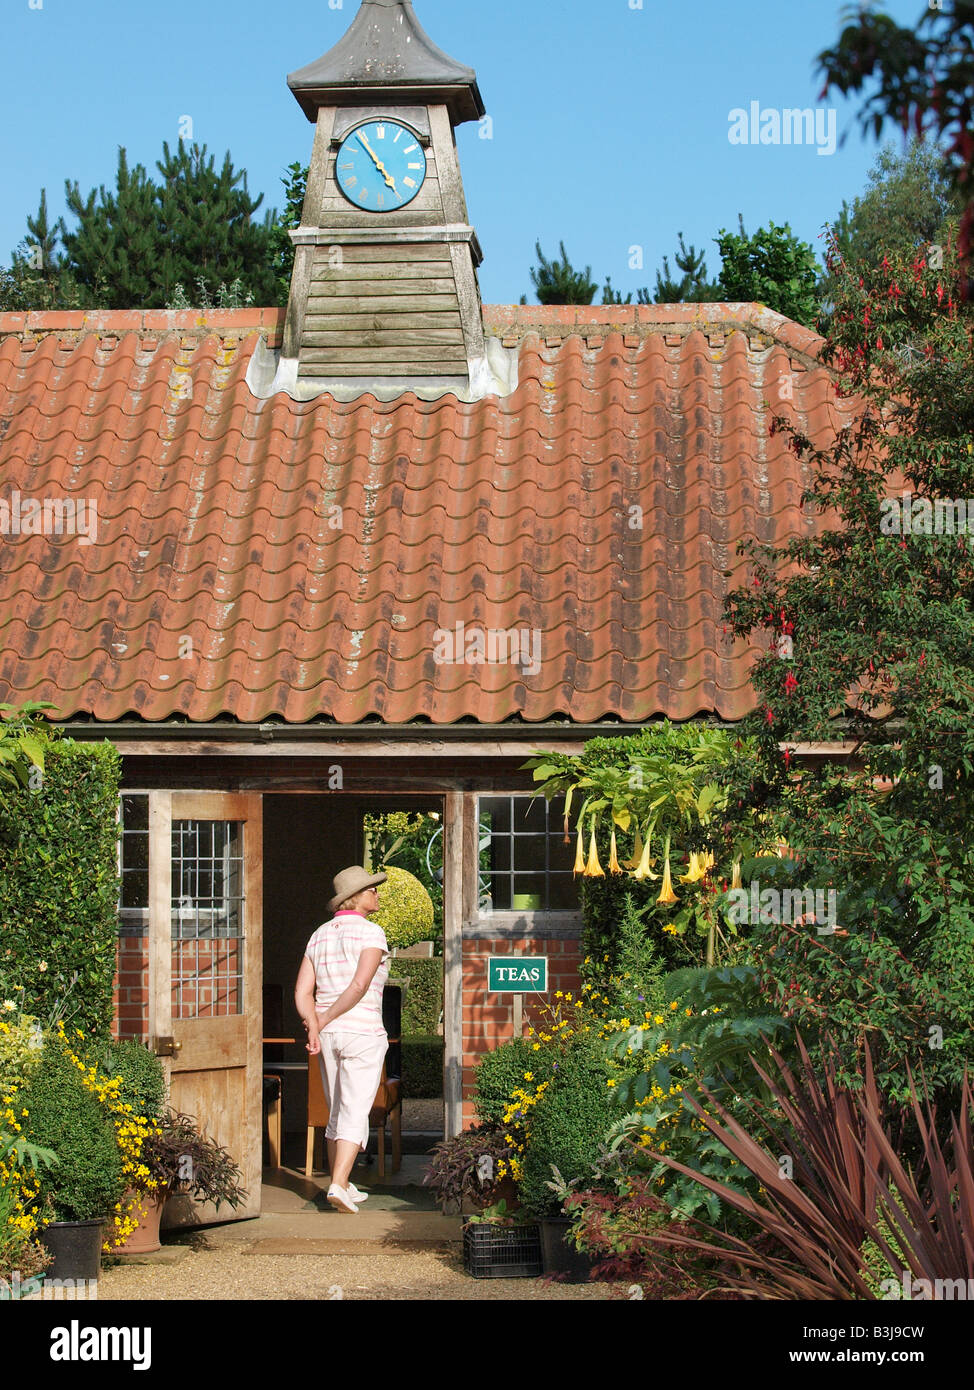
501 1244
474 1168
181 1159
67 1113
142 1094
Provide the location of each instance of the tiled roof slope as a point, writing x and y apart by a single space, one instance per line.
216 519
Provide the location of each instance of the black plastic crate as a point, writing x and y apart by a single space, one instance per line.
501 1252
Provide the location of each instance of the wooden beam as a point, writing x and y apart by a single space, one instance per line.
454 841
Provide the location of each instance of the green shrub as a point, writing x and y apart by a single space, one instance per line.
66 1117
501 1072
423 1002
422 1068
59 888
405 911
143 1077
568 1126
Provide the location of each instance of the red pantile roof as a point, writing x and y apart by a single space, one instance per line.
216 519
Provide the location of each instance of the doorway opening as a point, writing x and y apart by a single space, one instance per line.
308 839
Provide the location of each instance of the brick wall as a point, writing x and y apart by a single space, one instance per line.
488 1019
132 988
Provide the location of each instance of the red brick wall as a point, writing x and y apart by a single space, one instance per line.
132 988
488 1019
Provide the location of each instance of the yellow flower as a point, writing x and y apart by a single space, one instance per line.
642 868
666 894
637 852
614 865
579 855
593 869
736 876
696 870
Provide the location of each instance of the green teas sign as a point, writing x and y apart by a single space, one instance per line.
517 974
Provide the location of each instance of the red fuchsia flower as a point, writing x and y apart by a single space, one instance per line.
940 294
768 715
791 685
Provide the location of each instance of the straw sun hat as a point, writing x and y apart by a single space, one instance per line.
352 881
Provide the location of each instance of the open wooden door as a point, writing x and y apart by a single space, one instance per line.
205 930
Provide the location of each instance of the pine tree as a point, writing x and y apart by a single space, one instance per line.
133 245
693 287
557 282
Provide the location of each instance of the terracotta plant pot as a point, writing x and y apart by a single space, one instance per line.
145 1238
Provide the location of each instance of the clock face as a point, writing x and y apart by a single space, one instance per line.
380 166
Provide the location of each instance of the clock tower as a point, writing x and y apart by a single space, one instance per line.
384 294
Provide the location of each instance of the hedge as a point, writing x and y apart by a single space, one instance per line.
59 888
422 1068
423 1003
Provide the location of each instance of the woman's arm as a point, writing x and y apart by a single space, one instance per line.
304 1000
368 963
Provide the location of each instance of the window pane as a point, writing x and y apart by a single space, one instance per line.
529 851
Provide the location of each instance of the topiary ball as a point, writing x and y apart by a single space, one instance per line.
405 911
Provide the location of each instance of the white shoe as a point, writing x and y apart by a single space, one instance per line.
341 1199
355 1194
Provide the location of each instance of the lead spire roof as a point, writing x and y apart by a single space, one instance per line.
387 50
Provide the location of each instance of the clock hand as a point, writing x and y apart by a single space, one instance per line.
390 181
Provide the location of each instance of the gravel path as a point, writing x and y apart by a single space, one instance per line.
374 1274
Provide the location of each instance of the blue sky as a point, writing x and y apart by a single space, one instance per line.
610 123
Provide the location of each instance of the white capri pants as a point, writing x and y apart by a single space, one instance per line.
351 1068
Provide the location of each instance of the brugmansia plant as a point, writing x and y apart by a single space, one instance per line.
666 792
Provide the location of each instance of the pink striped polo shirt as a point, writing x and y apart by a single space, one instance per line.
334 951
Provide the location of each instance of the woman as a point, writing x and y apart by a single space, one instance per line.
339 997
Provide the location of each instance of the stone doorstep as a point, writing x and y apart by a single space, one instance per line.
338 1246
298 1228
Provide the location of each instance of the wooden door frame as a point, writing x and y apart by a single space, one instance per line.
164 808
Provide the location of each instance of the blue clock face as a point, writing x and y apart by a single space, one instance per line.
380 166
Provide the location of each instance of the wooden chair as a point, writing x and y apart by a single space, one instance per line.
387 1105
272 1107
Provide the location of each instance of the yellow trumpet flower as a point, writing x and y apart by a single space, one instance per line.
736 876
696 870
614 865
642 868
637 853
579 855
593 869
666 894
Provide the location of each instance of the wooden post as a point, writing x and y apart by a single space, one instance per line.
453 874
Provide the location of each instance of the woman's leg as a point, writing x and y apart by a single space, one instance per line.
346 1152
360 1070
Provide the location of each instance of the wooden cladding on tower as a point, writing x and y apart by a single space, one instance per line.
383 310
